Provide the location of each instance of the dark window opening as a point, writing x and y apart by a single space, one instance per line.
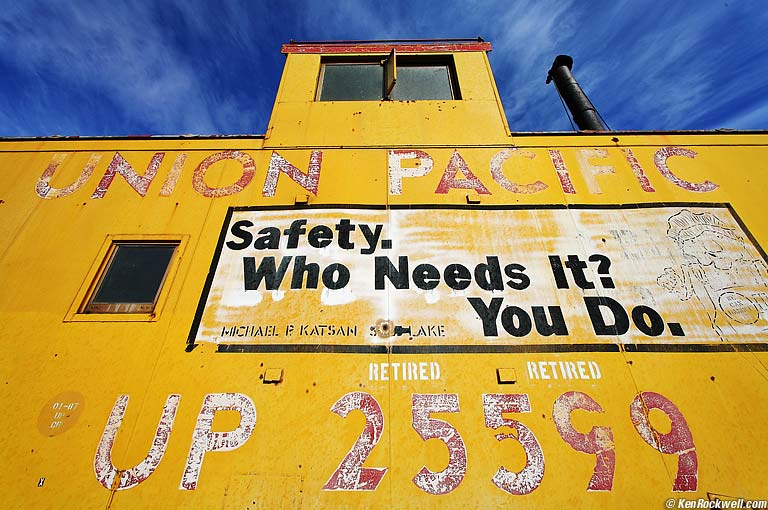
401 78
132 278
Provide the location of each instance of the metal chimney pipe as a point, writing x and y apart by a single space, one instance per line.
583 111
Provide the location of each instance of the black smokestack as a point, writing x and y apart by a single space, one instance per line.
583 111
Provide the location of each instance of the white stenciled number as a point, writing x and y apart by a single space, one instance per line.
351 475
527 480
448 479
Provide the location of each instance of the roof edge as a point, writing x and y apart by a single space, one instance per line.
54 138
402 46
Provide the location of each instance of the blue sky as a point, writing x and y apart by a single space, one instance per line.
111 68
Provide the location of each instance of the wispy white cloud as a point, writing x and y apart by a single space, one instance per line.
526 38
113 49
755 117
181 66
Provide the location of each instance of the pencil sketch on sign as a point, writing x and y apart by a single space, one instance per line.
729 283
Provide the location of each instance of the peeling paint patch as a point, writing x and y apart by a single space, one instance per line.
598 442
395 158
529 478
310 181
638 171
449 181
678 441
198 178
204 440
43 187
106 472
447 480
591 171
140 183
660 159
562 171
498 174
173 175
337 296
351 475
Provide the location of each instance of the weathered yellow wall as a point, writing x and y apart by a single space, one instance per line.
49 245
298 120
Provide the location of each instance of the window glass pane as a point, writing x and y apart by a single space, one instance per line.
423 82
352 82
135 274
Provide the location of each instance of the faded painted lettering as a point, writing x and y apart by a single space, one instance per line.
106 472
529 478
449 181
678 441
310 181
599 441
590 171
562 171
43 187
204 440
423 165
173 175
351 475
660 159
645 184
498 174
198 178
140 183
445 481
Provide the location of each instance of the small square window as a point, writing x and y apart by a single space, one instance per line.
402 78
132 278
423 81
352 82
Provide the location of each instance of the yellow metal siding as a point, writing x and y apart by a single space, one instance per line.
299 120
49 245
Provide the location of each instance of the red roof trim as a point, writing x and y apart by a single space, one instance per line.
386 48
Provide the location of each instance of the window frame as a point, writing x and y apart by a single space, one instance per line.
401 60
432 60
82 308
356 61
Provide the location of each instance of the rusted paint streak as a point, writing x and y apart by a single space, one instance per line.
678 441
386 48
198 178
449 181
115 487
173 175
498 174
562 171
205 440
310 181
350 475
529 478
43 187
638 171
660 159
598 442
140 183
106 472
